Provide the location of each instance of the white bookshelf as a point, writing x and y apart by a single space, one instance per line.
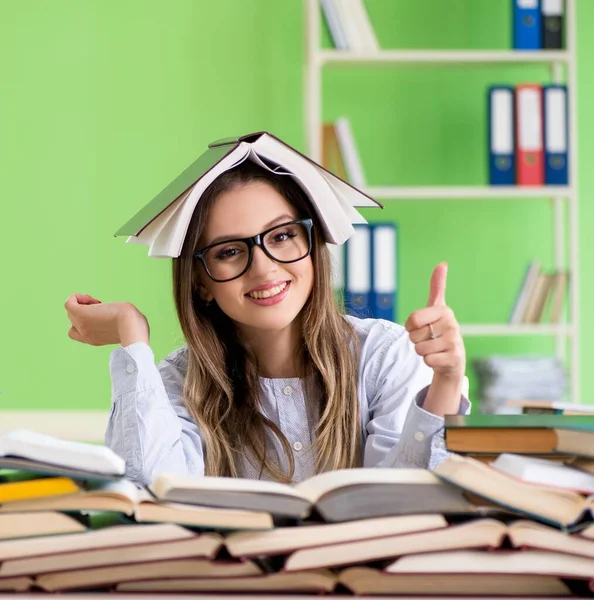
563 200
433 57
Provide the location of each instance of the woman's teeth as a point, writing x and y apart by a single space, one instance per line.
260 294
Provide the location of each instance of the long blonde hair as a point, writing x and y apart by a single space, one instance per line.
221 388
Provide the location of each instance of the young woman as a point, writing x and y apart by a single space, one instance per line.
274 382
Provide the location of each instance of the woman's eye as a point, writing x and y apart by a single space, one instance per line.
283 236
227 253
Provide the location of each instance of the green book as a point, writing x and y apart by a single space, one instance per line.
163 223
520 434
528 421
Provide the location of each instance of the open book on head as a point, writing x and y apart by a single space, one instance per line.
163 223
336 496
40 453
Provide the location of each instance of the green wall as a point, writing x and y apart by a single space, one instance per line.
103 102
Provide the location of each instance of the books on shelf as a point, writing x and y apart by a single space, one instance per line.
528 135
538 24
349 25
162 224
541 296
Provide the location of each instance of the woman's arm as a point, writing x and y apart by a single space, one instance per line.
399 431
149 425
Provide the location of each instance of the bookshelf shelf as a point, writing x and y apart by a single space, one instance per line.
562 68
477 330
468 192
432 57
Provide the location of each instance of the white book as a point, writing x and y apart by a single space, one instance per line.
523 298
334 25
26 449
348 148
163 223
365 27
348 20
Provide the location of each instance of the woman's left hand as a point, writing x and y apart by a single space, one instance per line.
435 332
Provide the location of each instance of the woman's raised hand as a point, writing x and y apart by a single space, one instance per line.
99 324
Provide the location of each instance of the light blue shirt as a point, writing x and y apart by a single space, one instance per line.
150 427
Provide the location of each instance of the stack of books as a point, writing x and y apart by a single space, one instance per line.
71 521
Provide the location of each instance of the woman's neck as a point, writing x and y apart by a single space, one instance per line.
278 353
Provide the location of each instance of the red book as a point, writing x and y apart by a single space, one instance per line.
529 135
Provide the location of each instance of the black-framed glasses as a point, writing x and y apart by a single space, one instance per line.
285 243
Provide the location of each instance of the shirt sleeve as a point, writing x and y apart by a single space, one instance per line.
149 425
399 432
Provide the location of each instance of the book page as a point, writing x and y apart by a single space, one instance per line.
170 239
165 481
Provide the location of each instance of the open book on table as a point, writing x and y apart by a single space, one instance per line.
342 495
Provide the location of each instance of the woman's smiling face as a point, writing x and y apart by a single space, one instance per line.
270 295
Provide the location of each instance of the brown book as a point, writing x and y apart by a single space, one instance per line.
558 507
80 579
543 288
520 434
15 584
558 294
480 533
24 525
316 581
332 155
284 540
365 580
198 546
123 496
109 537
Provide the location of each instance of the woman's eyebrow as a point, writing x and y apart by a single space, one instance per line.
236 236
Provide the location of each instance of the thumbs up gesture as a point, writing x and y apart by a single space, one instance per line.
435 332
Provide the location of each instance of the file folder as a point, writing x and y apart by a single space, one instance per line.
555 134
527 27
552 24
529 135
502 160
358 272
384 257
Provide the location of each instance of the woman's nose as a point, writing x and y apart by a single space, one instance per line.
261 262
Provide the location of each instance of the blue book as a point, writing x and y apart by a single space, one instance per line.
384 260
502 157
527 25
358 272
556 143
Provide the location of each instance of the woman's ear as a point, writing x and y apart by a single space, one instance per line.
204 293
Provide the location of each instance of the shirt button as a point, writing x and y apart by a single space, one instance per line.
297 446
130 368
288 390
419 436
